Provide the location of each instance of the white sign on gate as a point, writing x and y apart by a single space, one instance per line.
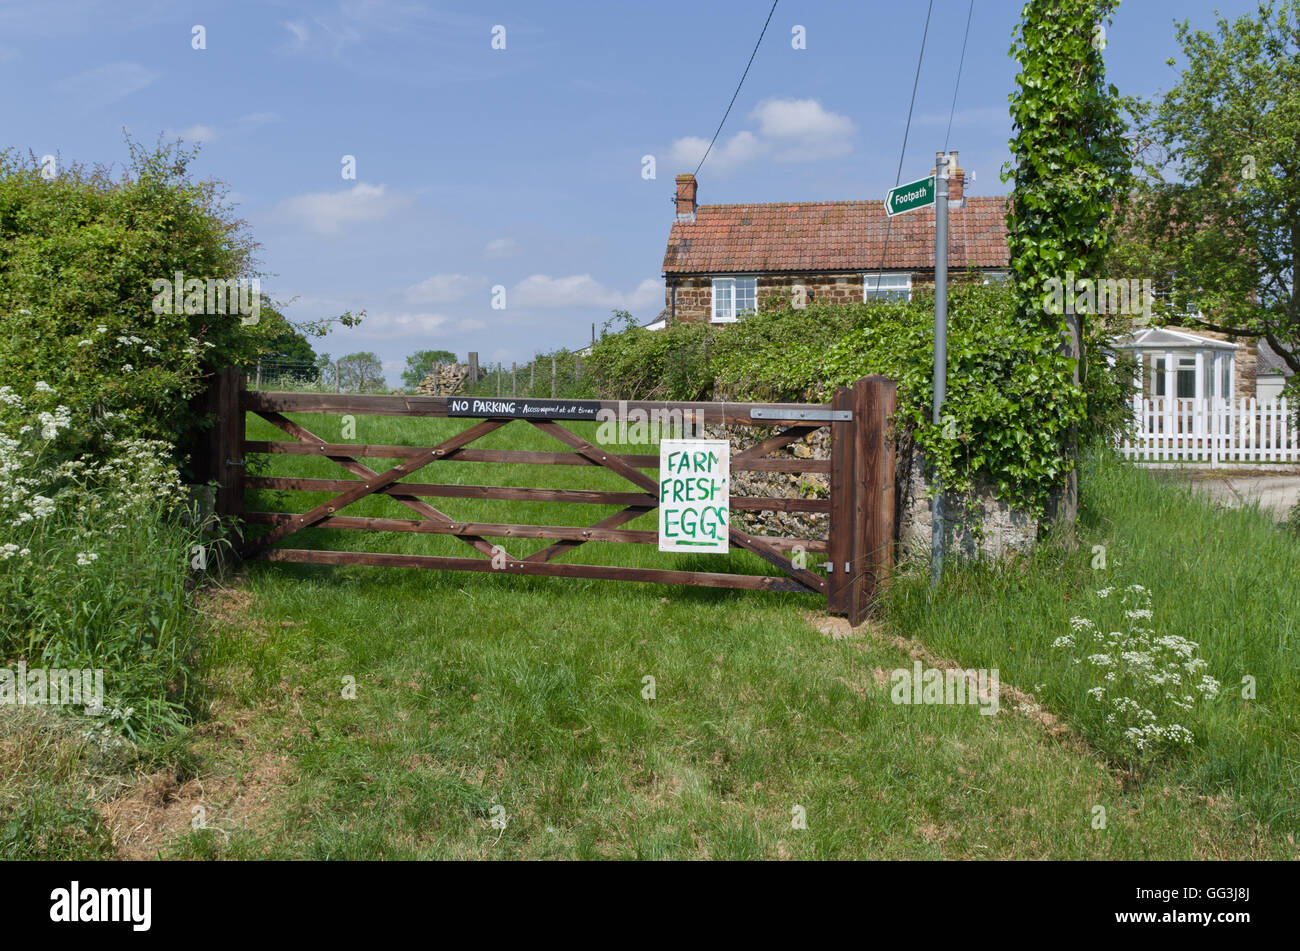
694 494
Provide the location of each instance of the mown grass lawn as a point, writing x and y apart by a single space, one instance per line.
476 691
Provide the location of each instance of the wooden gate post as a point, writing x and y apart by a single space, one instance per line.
861 547
227 462
876 400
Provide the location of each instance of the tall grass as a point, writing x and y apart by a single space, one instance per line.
1227 580
95 553
127 612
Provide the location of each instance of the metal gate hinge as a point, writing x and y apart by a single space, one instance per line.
231 462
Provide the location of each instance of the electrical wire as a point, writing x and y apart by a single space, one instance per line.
898 176
738 85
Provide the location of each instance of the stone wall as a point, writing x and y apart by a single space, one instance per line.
978 524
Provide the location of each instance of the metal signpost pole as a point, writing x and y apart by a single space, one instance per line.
940 351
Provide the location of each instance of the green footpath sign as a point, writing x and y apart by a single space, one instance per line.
694 493
909 197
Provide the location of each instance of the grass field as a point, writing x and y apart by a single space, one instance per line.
483 696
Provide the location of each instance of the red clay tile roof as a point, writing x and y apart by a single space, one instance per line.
832 236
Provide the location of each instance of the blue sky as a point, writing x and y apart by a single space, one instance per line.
519 167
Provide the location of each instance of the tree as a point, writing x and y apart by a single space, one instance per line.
1069 161
287 351
420 364
360 372
1217 205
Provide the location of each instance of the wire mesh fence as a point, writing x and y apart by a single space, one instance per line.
558 374
554 374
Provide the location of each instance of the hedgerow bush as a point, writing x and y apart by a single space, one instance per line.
639 364
79 253
1006 415
96 540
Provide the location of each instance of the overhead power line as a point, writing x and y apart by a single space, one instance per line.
738 85
898 176
960 63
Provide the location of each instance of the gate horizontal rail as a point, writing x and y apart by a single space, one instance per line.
528 494
860 506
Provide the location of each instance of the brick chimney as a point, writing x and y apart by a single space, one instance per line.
956 179
686 197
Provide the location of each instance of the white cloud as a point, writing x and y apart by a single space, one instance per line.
499 248
800 130
391 323
330 213
469 323
257 119
195 133
105 84
727 154
789 130
299 31
582 290
351 21
442 288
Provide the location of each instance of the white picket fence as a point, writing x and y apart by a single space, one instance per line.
1212 430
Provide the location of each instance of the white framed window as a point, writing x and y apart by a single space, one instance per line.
734 296
897 285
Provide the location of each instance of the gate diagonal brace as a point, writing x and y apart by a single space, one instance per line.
600 458
742 539
360 469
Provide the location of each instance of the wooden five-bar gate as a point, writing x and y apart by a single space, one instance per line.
858 548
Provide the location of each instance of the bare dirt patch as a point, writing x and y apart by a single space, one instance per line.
159 809
244 774
1010 697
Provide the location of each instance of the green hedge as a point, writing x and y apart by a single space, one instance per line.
1006 414
79 254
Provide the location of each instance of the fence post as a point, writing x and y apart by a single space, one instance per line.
227 460
552 376
861 548
473 367
514 378
875 400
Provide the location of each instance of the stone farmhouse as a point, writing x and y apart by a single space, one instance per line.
723 260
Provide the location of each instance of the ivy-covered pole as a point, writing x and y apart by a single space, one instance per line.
1069 157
